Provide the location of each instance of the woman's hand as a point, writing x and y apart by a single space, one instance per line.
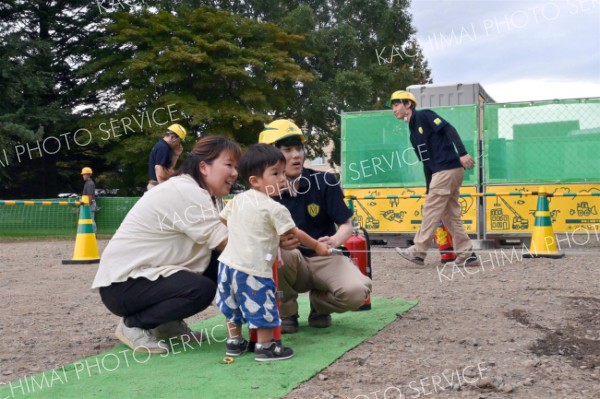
288 241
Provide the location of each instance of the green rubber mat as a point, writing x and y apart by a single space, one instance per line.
195 370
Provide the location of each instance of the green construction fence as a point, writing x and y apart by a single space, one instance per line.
57 220
521 143
542 142
376 149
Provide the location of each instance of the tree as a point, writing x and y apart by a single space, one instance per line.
224 74
345 43
18 83
346 39
43 44
74 67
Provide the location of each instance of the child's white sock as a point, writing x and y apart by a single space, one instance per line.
263 345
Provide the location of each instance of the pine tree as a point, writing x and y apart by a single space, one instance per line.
43 44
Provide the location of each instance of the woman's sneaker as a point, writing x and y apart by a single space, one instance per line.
177 329
236 348
139 340
273 352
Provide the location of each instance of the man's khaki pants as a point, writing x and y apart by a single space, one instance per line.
442 204
334 282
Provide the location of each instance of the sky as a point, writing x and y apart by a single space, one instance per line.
518 50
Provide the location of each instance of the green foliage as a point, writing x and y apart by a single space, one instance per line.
43 43
345 42
224 74
223 66
344 38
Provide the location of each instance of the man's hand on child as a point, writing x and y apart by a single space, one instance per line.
329 241
288 241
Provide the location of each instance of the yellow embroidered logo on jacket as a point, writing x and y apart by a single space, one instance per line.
313 210
437 121
420 130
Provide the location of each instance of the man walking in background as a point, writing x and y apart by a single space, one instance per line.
164 155
433 139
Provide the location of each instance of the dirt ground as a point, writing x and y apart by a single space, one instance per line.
524 328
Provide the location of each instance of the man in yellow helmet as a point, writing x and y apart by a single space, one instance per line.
438 145
316 203
89 189
164 155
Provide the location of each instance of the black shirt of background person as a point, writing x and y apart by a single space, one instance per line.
160 155
433 139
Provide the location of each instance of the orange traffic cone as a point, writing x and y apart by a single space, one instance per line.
86 247
543 241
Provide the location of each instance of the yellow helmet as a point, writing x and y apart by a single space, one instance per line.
178 130
278 130
86 171
401 95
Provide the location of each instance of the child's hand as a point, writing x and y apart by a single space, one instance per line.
322 249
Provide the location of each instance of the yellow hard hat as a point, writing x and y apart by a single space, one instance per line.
86 171
178 130
401 95
278 130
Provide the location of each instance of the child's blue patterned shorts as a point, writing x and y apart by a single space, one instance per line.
245 298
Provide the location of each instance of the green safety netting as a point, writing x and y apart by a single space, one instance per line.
56 220
376 149
537 142
542 142
111 212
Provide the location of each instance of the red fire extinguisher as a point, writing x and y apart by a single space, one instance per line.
443 240
360 253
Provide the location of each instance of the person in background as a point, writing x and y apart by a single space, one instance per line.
164 155
433 139
317 205
89 189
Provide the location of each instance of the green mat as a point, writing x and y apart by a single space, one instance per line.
195 370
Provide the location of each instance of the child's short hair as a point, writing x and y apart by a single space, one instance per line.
257 159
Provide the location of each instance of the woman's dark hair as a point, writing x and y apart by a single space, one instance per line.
257 159
207 149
